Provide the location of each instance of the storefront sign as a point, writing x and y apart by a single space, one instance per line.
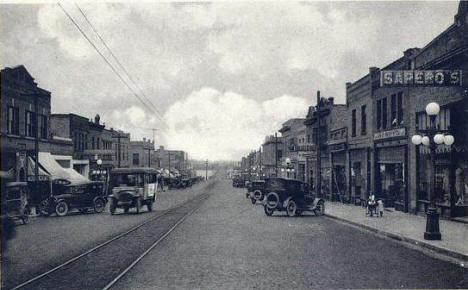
400 132
390 78
337 147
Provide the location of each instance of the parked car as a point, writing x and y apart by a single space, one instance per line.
292 196
84 196
255 190
132 188
16 201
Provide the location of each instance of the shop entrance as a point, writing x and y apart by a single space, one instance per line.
391 185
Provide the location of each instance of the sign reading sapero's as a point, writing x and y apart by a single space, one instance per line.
400 132
420 78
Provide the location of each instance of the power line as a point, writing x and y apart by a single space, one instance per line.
105 59
115 58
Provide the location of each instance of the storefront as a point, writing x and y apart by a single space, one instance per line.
338 173
451 165
391 165
359 174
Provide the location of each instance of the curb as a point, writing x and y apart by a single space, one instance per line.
444 251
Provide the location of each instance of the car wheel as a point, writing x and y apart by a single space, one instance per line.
253 200
272 200
112 206
268 211
149 205
291 208
25 217
61 209
138 205
99 205
320 209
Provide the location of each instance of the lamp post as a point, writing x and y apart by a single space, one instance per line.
99 163
431 137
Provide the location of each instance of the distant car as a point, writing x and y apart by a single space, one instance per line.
237 182
84 196
292 196
255 190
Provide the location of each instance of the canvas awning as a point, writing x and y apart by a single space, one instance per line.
56 171
43 174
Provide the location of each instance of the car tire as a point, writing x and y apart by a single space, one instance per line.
268 211
61 208
25 217
138 205
149 205
272 200
112 206
320 208
291 208
99 205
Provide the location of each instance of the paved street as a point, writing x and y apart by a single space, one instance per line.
227 243
47 242
230 244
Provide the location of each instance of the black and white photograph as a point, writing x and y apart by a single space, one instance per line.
171 144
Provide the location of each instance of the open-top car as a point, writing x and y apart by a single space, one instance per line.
133 187
292 196
15 201
256 190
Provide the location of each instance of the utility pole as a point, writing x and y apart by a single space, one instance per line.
319 153
206 169
169 157
276 154
260 161
149 157
36 141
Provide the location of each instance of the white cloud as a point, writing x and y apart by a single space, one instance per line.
216 125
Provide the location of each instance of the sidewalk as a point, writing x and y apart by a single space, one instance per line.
406 227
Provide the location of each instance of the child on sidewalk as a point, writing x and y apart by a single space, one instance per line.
380 207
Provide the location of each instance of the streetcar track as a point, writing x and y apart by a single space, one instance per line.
147 251
61 266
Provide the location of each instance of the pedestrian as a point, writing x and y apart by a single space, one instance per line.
380 206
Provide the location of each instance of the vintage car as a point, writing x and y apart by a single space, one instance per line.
255 190
15 199
132 187
292 196
84 196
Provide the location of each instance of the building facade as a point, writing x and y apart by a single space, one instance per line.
25 122
272 152
142 153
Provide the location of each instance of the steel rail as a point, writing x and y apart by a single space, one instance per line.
40 276
126 270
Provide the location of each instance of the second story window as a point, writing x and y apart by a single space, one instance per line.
136 159
393 110
13 121
353 123
400 108
43 128
363 120
379 114
384 113
30 124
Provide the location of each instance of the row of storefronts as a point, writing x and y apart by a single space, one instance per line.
364 147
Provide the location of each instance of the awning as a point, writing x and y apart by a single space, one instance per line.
43 175
57 171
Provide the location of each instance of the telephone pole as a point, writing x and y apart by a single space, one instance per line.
118 137
276 154
206 169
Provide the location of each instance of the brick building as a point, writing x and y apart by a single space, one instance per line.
269 161
142 153
25 114
293 133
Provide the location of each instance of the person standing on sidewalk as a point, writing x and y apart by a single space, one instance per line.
380 207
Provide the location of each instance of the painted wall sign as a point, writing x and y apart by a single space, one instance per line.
420 78
400 132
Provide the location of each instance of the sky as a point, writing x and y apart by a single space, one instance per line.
215 78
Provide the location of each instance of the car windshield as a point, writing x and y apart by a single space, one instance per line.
127 179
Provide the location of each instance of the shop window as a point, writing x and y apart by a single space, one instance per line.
30 124
13 120
363 120
353 123
379 114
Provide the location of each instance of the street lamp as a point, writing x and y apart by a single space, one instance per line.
432 137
